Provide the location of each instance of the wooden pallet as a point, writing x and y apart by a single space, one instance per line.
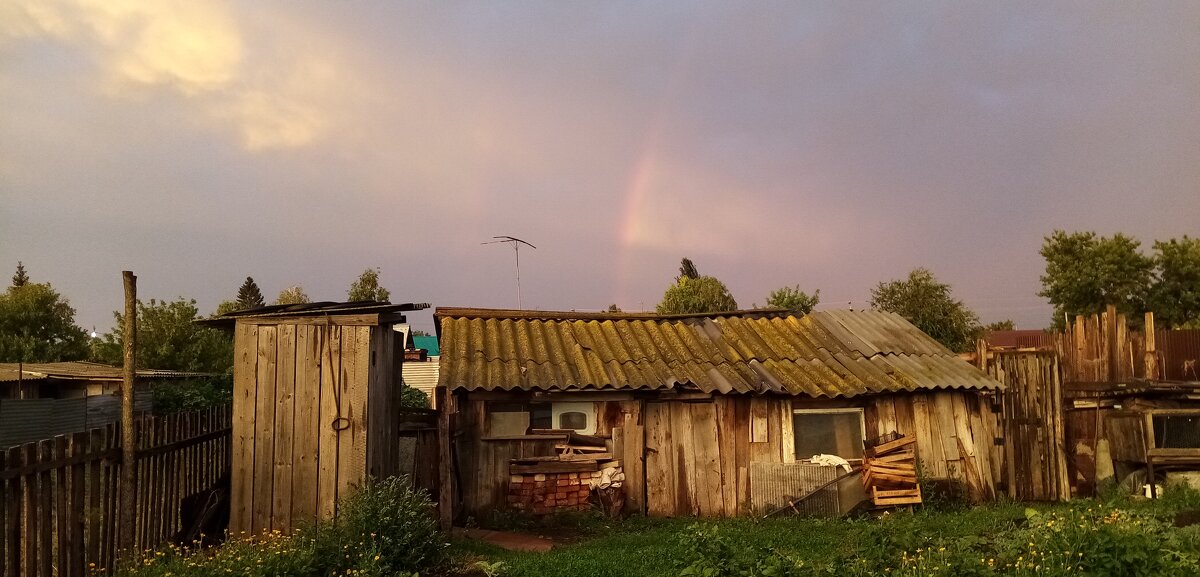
889 472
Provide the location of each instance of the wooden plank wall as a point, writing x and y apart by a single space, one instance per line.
1032 424
300 419
955 433
698 453
59 497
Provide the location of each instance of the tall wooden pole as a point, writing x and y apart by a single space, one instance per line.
128 440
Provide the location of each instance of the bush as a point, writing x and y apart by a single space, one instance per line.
414 398
386 529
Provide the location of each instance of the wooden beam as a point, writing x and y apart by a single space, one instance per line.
128 440
1151 359
445 402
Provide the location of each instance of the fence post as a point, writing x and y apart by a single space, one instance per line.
128 446
1151 359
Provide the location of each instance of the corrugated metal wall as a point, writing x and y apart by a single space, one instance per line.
1176 349
772 485
25 420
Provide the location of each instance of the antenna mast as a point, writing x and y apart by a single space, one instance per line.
516 244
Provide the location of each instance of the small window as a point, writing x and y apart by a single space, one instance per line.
573 420
506 419
828 432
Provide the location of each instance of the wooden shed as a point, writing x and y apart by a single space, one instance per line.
315 396
711 415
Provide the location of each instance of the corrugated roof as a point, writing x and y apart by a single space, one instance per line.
825 354
325 308
80 370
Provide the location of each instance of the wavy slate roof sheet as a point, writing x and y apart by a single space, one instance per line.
824 354
82 370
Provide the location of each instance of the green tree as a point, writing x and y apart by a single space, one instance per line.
20 279
226 307
249 296
1005 325
793 299
366 288
695 294
37 325
1175 297
687 269
1086 272
930 306
413 398
293 295
169 338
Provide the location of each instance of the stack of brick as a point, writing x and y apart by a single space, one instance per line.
542 493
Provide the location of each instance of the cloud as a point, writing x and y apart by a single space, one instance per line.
195 52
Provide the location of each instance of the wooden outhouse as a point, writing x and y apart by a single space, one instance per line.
315 395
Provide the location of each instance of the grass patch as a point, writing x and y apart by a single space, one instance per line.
1115 537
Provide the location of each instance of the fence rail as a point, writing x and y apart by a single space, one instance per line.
59 497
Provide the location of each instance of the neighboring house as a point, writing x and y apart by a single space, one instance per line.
40 400
712 415
420 368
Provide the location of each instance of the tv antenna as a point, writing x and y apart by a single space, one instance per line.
516 244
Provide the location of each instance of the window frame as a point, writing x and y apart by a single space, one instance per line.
862 425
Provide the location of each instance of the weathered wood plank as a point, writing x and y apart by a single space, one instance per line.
330 419
284 433
709 499
758 420
685 460
727 434
11 561
245 372
306 425
352 442
264 429
660 458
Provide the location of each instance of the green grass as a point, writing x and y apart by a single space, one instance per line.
965 538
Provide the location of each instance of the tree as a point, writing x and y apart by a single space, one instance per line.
37 325
292 295
1085 273
1175 297
413 398
226 307
793 299
249 297
20 279
695 294
687 269
366 288
930 306
169 338
1005 325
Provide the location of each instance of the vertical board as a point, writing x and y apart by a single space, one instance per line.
727 437
709 498
660 461
633 461
307 425
264 430
329 419
685 460
241 498
352 442
758 420
285 391
787 432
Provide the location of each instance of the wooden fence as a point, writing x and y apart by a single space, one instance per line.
59 497
1035 460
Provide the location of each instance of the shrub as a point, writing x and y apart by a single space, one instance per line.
384 530
414 398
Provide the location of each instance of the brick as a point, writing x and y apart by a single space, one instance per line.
584 493
560 495
539 477
563 482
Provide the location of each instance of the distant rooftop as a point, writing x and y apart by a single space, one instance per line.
85 371
429 343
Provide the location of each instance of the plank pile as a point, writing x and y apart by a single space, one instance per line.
890 473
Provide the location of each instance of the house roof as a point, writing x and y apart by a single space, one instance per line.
824 354
429 343
80 370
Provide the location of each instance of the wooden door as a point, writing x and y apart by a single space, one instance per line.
683 466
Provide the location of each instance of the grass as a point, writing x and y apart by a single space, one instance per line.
999 539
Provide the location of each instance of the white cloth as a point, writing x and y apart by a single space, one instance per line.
831 461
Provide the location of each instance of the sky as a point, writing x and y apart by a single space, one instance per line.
830 145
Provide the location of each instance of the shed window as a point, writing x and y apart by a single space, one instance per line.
506 419
828 432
